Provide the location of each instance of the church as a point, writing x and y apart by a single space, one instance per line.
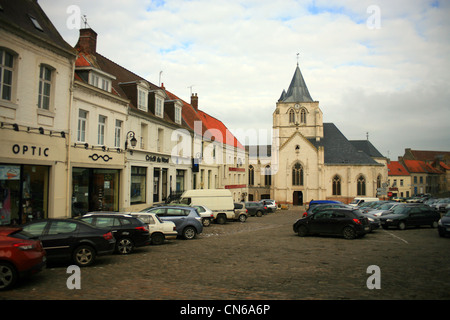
310 159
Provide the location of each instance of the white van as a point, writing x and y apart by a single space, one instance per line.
220 201
359 200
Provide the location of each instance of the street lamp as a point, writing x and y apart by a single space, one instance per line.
133 140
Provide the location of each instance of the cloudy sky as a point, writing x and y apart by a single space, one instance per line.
380 67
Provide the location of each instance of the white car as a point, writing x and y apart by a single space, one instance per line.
159 230
206 214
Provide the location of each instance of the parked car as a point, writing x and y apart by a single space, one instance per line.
270 204
71 240
444 225
384 208
350 223
313 203
441 204
240 212
206 214
187 220
255 208
20 256
407 215
129 232
159 230
319 207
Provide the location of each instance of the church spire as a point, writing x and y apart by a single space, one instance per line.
298 91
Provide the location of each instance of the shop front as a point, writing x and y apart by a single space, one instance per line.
32 166
96 180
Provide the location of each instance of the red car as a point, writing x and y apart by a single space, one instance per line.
20 256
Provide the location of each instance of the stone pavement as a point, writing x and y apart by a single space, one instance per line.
261 259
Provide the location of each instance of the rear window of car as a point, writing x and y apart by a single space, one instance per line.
177 212
21 234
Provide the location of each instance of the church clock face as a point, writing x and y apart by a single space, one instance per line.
297 107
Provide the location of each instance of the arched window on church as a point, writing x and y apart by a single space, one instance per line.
251 175
303 116
336 185
361 186
267 176
379 181
297 175
291 116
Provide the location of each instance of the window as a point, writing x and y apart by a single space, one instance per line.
45 85
303 116
336 185
267 176
6 74
361 186
142 99
138 184
291 116
101 130
117 133
35 23
178 115
251 175
379 182
99 82
158 108
82 120
58 227
297 175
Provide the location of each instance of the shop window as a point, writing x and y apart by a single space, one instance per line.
94 190
23 193
138 184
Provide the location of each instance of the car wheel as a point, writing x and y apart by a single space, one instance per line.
189 233
206 222
401 225
349 233
158 239
258 213
124 246
242 218
8 275
84 256
302 231
221 219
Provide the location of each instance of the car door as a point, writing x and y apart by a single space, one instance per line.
415 217
320 222
111 223
60 238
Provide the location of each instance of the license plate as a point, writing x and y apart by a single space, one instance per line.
366 228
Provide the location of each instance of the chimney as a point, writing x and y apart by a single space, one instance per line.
87 42
194 101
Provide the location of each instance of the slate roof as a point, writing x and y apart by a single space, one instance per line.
367 147
298 91
17 14
338 150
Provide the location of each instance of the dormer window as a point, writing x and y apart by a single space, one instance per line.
99 81
142 99
178 114
159 108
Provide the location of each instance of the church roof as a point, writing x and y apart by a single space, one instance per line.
298 91
339 150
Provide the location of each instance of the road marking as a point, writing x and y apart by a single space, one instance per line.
396 237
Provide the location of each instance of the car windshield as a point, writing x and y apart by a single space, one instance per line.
386 206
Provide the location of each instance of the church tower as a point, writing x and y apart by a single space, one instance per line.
297 161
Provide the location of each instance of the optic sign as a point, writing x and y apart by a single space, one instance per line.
30 150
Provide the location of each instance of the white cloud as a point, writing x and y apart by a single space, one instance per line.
239 55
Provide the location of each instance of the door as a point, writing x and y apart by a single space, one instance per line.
60 238
321 222
297 198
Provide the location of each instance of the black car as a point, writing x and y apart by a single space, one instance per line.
410 215
444 225
318 207
130 232
255 208
348 222
71 240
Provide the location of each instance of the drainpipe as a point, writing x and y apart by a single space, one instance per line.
68 143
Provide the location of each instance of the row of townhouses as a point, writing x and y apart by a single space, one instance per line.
420 172
81 133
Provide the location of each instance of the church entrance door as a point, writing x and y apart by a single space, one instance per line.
297 199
